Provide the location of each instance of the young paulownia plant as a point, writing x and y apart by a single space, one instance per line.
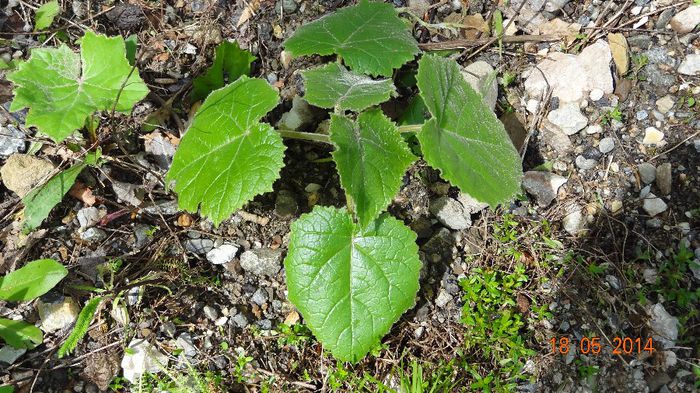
351 272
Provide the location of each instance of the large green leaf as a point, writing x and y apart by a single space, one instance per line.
227 156
370 37
81 326
371 158
464 139
61 88
230 62
32 280
20 334
334 86
349 284
39 202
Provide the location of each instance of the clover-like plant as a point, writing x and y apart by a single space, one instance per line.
351 272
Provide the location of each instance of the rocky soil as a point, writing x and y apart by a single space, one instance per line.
599 96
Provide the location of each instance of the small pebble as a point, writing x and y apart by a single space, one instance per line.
606 145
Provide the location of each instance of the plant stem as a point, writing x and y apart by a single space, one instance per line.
305 136
412 128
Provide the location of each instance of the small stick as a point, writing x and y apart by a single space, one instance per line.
509 39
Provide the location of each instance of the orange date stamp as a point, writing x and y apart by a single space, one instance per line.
595 346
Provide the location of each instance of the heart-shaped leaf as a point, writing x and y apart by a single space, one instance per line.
19 334
61 88
228 156
371 158
32 280
349 284
464 139
334 86
370 37
230 62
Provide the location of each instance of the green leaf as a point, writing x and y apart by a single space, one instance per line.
227 156
81 326
351 285
371 158
230 63
464 139
370 37
61 88
414 113
19 334
32 280
40 201
333 86
7 389
131 44
45 14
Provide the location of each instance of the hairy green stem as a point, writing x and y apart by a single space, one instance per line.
305 136
412 128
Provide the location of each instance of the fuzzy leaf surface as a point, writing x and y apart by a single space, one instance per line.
351 284
371 158
32 280
230 62
228 156
39 202
334 86
81 326
464 139
61 88
370 37
19 334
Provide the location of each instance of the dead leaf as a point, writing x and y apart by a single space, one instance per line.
184 220
558 27
619 49
292 318
251 7
475 26
82 193
523 303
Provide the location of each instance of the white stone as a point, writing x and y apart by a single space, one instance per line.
572 77
652 136
665 104
568 118
594 129
654 205
12 140
140 358
686 20
88 217
57 315
606 145
596 94
663 323
443 298
482 78
574 222
298 116
222 254
262 262
650 276
691 65
532 106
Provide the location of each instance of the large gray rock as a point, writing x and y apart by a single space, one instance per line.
543 186
11 140
662 322
572 77
647 172
691 65
482 78
21 173
262 261
654 205
686 20
450 213
222 254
